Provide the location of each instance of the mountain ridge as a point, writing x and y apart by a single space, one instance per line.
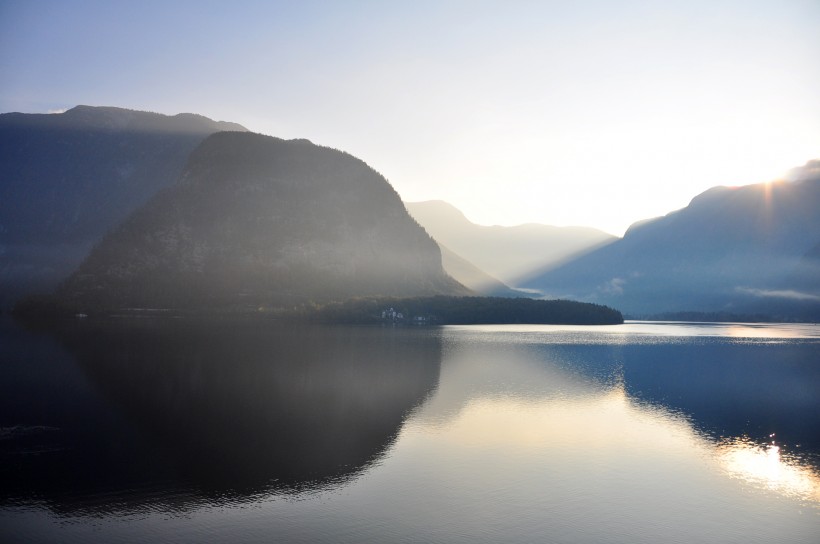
256 221
731 249
68 178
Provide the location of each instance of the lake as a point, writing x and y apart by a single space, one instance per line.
183 430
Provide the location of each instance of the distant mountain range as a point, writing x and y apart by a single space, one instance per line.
149 210
254 222
744 250
505 253
66 179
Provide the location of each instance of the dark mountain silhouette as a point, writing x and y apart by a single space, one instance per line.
506 253
806 275
203 409
750 249
66 179
259 221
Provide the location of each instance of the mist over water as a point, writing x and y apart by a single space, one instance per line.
183 430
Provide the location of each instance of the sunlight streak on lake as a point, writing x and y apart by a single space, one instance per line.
764 465
613 430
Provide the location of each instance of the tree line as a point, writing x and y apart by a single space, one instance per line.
452 310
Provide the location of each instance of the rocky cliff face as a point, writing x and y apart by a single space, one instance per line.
259 221
66 179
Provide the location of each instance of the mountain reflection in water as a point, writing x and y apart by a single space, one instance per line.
183 431
204 410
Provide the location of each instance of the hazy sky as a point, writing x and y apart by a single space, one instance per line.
565 113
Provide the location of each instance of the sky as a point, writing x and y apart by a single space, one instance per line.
592 113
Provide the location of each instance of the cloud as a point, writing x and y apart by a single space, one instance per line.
808 171
58 110
779 293
615 286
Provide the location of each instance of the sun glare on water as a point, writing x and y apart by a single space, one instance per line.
613 429
766 466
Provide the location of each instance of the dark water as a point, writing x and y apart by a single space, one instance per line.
184 431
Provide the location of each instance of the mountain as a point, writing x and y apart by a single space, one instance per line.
749 249
506 253
259 221
66 179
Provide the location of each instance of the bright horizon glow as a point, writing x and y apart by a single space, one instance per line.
590 114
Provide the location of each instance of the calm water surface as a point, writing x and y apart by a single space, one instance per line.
189 431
